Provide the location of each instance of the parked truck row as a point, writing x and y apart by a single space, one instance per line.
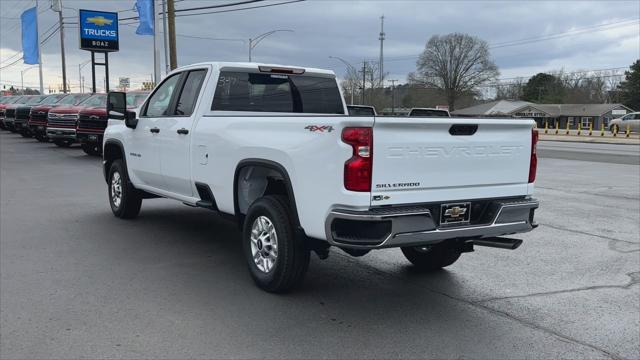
64 119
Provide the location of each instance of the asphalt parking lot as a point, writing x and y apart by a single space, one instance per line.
75 282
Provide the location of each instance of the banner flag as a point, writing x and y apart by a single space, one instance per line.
30 50
146 14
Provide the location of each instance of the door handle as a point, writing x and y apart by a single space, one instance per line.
154 130
182 131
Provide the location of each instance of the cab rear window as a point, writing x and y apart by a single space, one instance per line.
429 113
260 92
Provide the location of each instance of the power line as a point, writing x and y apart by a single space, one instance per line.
581 31
201 8
44 41
246 8
195 37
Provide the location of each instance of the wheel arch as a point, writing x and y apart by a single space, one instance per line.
113 150
272 167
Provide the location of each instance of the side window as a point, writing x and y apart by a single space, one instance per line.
158 104
190 91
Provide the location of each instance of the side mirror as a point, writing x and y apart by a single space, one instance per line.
117 105
130 119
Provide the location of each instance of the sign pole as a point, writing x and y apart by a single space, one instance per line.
93 72
106 71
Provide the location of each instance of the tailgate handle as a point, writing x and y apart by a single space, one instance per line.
463 129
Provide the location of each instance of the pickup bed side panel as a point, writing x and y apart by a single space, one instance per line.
313 158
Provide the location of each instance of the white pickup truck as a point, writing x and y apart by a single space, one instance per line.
273 147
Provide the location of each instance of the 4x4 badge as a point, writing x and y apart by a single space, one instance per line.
316 128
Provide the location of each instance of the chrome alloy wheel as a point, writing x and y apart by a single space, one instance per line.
264 243
116 189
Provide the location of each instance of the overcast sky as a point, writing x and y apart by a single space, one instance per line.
585 35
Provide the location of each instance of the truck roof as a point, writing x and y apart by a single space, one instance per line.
255 66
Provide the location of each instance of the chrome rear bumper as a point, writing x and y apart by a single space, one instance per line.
416 225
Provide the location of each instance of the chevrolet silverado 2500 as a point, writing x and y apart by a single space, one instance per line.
274 148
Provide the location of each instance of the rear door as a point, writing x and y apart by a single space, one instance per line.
418 160
174 139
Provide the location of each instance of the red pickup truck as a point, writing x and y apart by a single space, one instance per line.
37 122
92 122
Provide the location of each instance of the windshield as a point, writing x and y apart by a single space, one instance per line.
74 99
49 100
136 99
99 100
429 113
35 100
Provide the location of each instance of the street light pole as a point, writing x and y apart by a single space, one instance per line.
351 67
393 96
80 74
253 42
22 77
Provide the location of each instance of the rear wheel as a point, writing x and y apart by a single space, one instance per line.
432 257
91 149
277 259
124 199
41 138
63 143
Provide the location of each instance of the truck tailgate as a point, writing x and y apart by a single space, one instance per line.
419 160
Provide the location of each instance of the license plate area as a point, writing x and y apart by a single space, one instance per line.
93 137
455 213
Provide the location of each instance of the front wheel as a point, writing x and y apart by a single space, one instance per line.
41 138
432 257
124 199
63 143
91 149
277 259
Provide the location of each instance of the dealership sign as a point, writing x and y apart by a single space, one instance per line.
98 30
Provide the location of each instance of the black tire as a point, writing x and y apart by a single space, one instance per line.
91 149
431 258
41 138
130 200
292 254
26 134
63 143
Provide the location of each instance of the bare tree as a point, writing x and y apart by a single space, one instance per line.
456 64
512 90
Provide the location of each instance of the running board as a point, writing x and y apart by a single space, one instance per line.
498 242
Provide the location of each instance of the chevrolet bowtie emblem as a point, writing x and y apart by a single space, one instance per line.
455 211
99 21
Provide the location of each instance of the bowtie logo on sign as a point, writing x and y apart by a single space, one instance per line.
99 20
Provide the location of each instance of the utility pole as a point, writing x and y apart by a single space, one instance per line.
165 37
171 13
381 38
156 43
364 79
56 5
393 96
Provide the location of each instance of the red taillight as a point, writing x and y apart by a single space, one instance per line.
357 170
533 165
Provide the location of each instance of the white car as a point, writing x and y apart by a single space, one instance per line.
273 148
631 120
